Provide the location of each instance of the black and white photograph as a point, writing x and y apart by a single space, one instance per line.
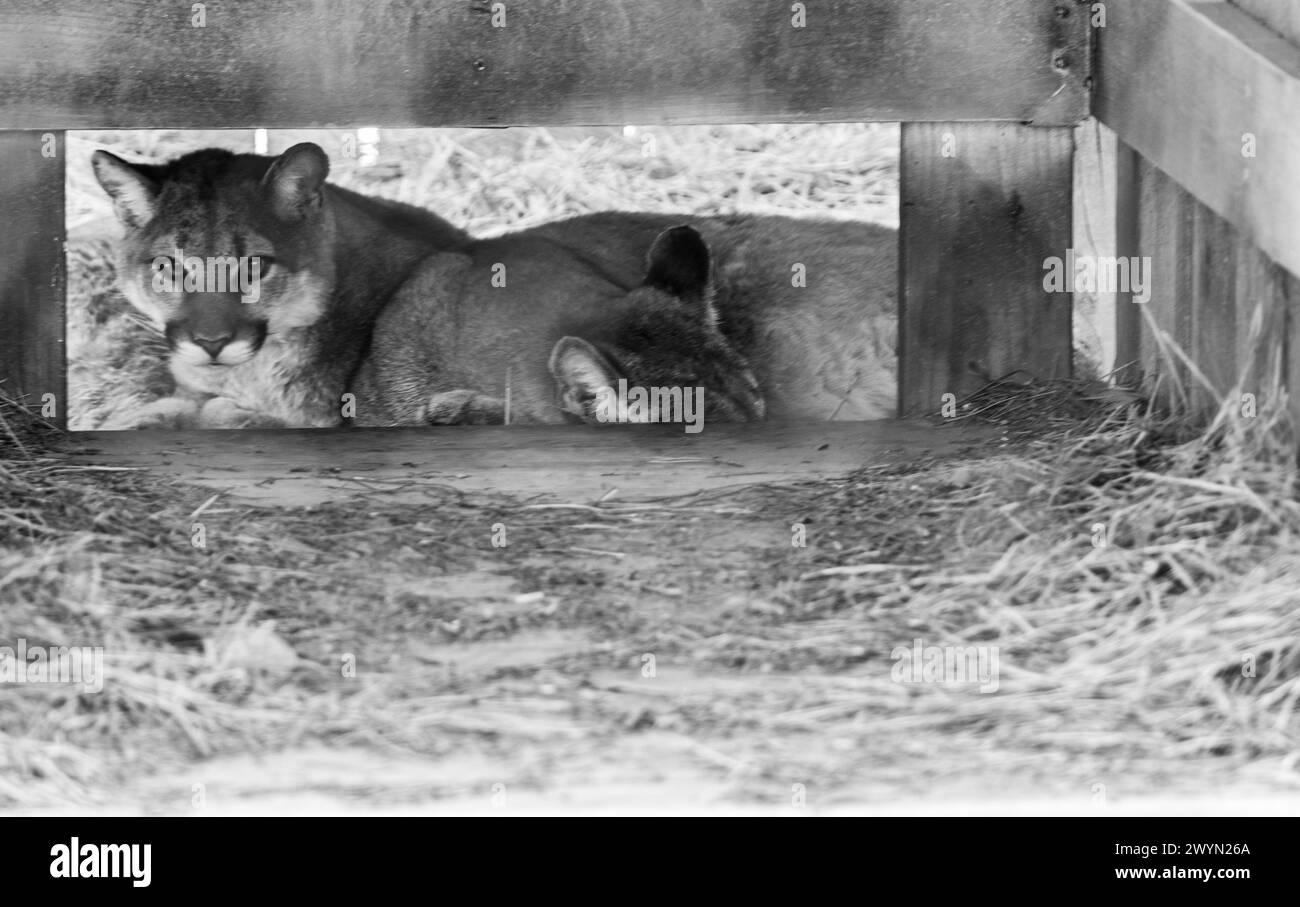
874 408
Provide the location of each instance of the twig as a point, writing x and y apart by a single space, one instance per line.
10 432
599 552
205 505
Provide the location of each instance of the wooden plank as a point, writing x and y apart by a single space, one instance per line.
32 269
576 464
1165 234
1183 83
395 63
976 230
1207 281
1213 302
1264 357
1094 320
1283 16
1128 317
1271 352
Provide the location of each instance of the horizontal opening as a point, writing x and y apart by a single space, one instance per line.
684 274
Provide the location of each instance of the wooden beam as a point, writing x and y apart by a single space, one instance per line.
1283 16
984 206
32 270
573 463
1187 83
396 63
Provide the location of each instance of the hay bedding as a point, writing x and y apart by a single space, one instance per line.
1120 665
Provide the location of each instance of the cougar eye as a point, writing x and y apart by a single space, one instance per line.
266 264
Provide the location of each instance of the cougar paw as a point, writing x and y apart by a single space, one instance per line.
168 412
463 407
222 412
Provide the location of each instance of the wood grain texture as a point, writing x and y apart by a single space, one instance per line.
575 464
1183 82
395 63
32 269
1269 360
1259 278
1208 281
1128 318
1283 16
975 232
1095 197
1165 233
1213 305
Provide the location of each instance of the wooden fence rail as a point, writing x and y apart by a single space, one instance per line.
395 63
997 206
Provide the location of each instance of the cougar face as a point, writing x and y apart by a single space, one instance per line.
664 340
222 251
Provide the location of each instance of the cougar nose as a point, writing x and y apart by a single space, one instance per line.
212 345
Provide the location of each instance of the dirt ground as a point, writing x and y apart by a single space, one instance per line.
574 667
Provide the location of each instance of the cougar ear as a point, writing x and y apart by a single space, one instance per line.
580 371
294 182
678 263
133 192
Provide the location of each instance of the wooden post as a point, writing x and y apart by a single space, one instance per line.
983 208
1128 318
32 269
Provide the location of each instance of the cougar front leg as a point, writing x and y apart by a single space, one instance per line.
167 412
222 412
464 407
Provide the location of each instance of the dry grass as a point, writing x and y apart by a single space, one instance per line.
1164 654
